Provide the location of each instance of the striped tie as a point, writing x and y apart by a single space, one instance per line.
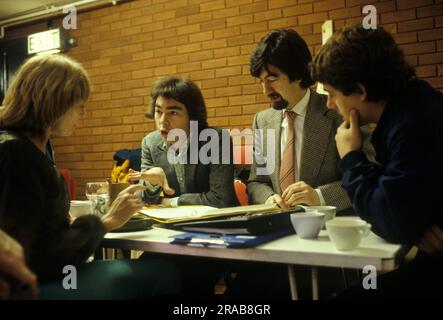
288 164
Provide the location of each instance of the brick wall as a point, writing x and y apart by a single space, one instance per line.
126 47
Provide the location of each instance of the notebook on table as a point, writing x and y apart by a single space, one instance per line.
168 215
249 224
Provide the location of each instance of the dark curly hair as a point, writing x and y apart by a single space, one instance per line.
184 91
286 50
368 56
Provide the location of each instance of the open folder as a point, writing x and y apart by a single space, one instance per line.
193 213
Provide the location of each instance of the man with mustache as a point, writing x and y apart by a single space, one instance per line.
280 61
310 176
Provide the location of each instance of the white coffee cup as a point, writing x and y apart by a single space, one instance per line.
80 208
346 233
307 224
329 211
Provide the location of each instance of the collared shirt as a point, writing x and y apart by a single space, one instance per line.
299 122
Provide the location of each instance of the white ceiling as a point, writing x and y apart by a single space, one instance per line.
13 8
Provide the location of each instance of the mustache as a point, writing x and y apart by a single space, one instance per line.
274 95
280 105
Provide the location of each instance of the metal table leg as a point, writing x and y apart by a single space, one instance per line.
292 282
314 271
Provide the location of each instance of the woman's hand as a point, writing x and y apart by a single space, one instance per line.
123 208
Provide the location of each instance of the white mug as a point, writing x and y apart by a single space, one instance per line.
329 211
346 233
307 225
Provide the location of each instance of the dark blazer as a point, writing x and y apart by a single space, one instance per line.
206 184
318 166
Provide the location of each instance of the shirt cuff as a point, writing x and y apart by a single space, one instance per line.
174 202
320 196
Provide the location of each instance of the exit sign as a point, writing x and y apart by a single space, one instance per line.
45 41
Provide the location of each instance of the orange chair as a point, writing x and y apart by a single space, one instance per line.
70 181
242 154
240 191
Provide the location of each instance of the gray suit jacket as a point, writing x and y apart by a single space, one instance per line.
206 184
319 159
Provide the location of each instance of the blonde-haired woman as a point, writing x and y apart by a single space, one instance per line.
47 97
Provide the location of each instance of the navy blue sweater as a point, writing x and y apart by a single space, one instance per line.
402 195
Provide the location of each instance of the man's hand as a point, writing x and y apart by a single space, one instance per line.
13 269
276 199
432 240
134 176
300 193
123 207
155 176
348 137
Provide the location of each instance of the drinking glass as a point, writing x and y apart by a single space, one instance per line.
98 194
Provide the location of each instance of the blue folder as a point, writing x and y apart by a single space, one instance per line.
227 241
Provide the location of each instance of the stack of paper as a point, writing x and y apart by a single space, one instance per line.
189 213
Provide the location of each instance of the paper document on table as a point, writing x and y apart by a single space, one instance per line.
187 213
165 213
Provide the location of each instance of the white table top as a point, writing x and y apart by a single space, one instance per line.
289 250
